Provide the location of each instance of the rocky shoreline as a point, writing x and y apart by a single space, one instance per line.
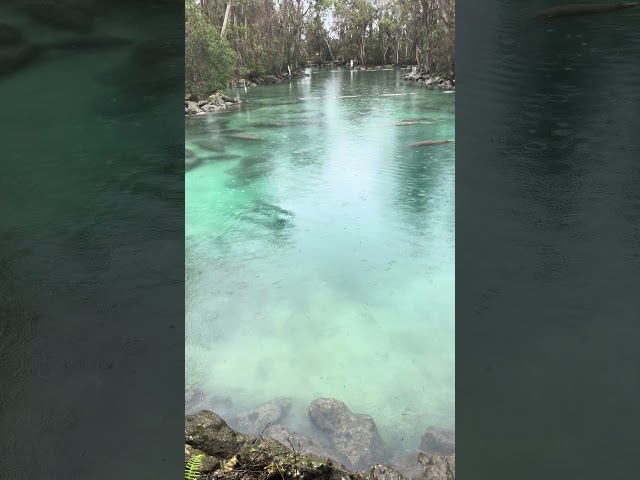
259 444
254 81
195 105
432 80
199 105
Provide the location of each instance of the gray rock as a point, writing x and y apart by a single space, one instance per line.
408 465
192 108
254 421
212 108
301 443
438 467
209 463
382 472
354 436
216 99
438 440
209 433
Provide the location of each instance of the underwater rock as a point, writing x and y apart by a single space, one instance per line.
17 57
209 433
254 421
438 440
189 153
195 399
438 467
59 16
301 443
352 435
9 34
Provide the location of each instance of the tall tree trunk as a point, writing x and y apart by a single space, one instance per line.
226 17
329 47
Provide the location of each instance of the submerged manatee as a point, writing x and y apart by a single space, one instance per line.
59 16
191 162
580 9
426 143
405 123
209 144
244 136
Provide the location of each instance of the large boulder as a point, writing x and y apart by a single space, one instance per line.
438 467
208 463
382 472
254 421
301 443
408 465
354 436
438 440
209 433
192 108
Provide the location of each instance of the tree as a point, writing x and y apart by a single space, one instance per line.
209 60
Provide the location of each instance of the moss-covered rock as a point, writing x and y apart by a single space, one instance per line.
208 432
209 463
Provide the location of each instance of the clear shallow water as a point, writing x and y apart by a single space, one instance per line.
320 259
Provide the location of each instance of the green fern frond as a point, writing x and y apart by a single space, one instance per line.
193 468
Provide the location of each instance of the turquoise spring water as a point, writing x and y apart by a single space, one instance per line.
320 256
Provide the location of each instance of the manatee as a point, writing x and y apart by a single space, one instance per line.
268 208
408 122
209 144
58 16
580 9
190 163
244 136
427 143
9 34
223 157
91 44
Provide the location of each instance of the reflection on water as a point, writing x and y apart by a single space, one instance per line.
320 253
555 159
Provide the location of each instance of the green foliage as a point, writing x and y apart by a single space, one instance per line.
209 59
193 469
